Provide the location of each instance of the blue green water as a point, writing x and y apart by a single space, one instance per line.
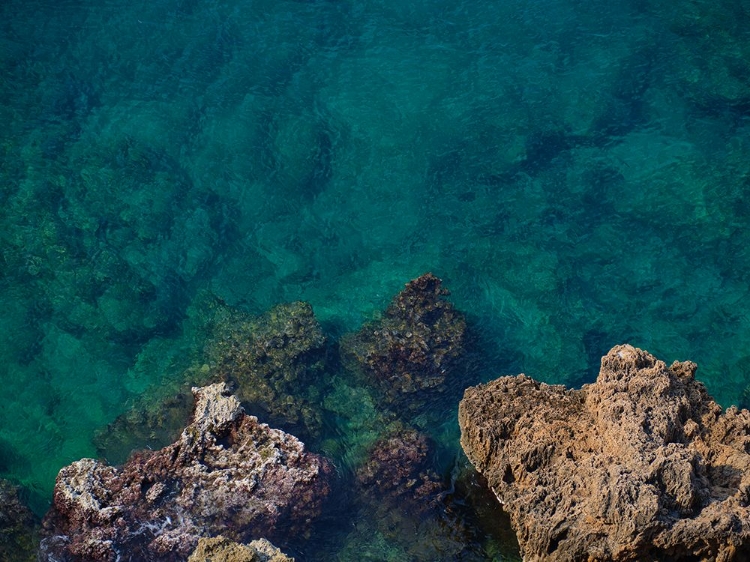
576 172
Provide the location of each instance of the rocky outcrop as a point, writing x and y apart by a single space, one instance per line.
407 355
221 549
640 465
275 361
18 535
227 474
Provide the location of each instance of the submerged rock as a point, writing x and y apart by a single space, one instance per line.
18 535
397 471
404 504
227 474
221 549
407 354
397 468
275 361
641 465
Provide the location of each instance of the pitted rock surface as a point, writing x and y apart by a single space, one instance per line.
409 353
227 474
640 465
221 549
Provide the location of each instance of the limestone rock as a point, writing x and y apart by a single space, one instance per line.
407 354
221 549
640 465
227 474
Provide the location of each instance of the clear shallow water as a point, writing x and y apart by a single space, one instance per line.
576 172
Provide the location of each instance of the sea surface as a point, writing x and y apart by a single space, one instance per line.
576 172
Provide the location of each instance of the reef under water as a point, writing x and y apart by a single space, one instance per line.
179 177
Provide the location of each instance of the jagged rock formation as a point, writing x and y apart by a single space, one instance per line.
221 549
641 465
17 526
408 353
227 474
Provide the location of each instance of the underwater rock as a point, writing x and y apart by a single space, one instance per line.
408 505
640 465
145 425
409 352
275 361
221 549
397 468
227 474
17 526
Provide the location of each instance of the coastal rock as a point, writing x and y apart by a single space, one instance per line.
221 549
227 474
275 362
407 354
640 465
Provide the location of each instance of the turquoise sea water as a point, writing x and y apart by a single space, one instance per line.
576 172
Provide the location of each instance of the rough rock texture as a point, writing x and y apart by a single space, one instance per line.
275 361
221 549
408 353
17 527
641 465
397 468
227 474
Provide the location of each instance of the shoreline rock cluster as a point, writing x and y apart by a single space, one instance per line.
640 465
228 474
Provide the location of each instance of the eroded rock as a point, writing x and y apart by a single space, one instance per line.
221 549
407 355
641 465
227 474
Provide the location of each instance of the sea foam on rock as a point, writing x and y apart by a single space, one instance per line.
227 474
641 465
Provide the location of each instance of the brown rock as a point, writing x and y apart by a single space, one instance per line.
407 354
397 470
227 474
641 465
221 549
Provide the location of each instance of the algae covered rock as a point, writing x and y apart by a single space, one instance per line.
275 361
640 465
221 549
397 468
227 474
408 354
